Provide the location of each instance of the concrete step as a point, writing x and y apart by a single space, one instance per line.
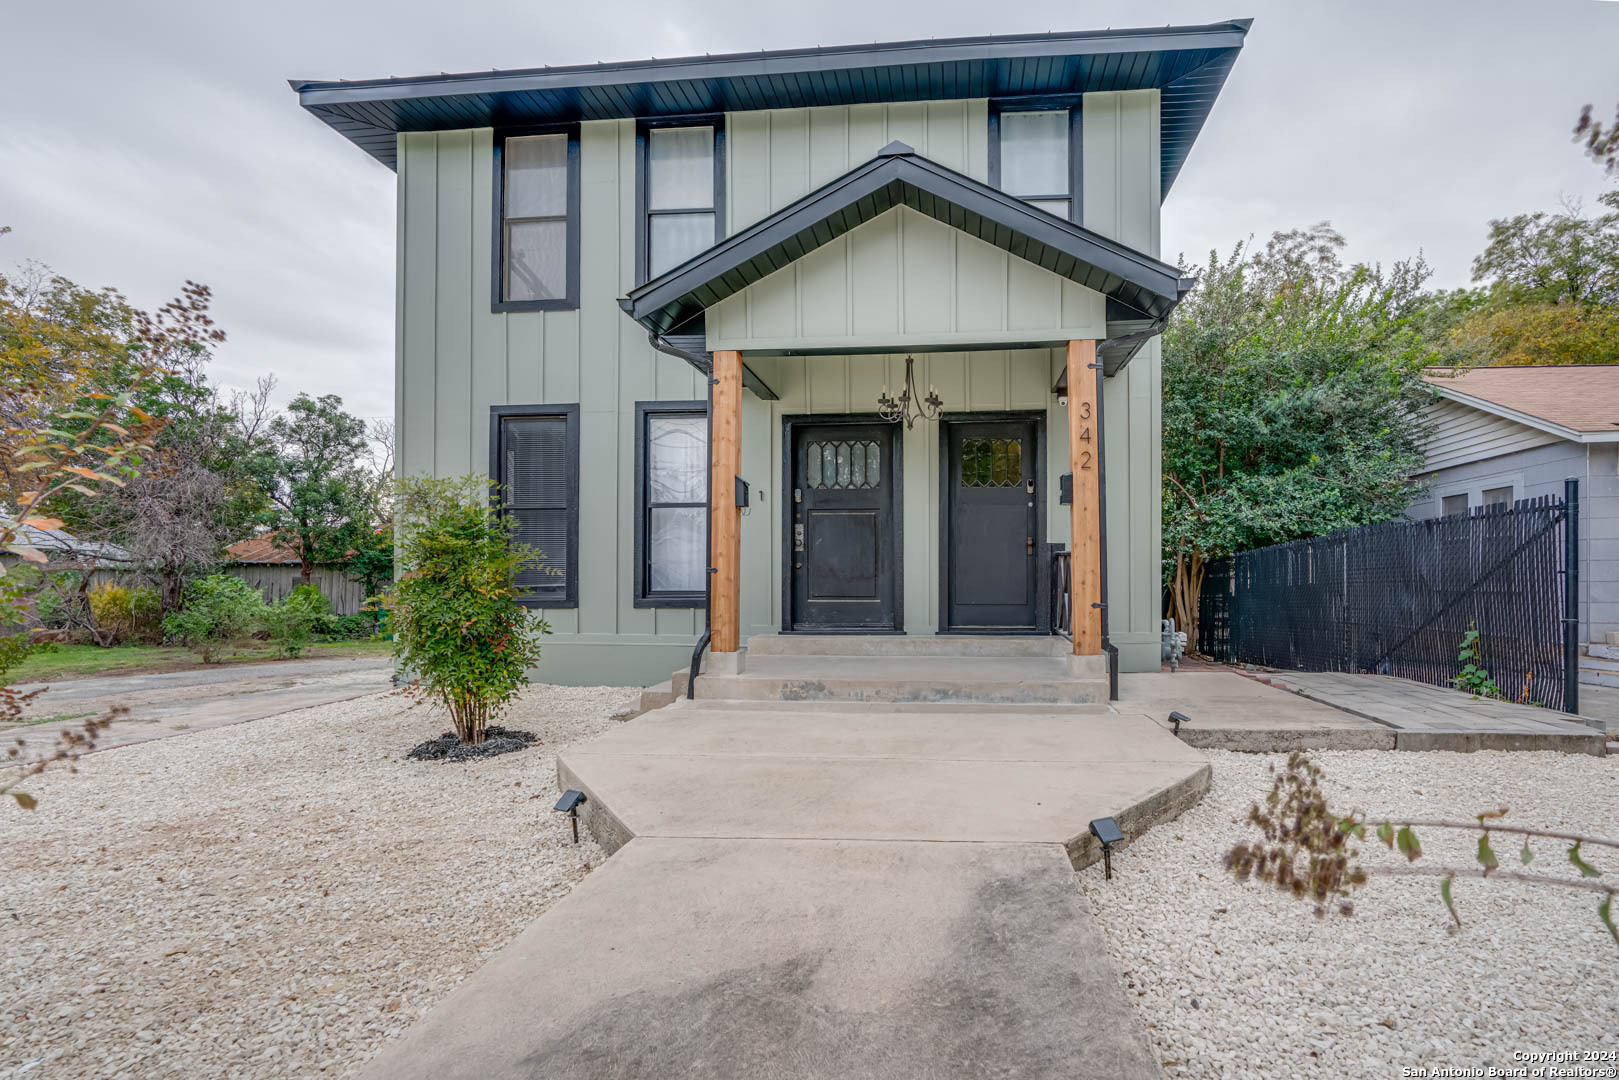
988 680
1588 677
1603 652
908 645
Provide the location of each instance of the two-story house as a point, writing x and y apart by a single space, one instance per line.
845 340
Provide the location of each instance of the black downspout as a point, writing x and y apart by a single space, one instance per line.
708 541
1108 647
1571 596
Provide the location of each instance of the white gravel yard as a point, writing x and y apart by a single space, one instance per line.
1240 981
274 899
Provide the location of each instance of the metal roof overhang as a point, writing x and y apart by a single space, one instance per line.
1189 64
1141 290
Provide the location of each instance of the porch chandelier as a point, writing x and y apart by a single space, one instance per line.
911 406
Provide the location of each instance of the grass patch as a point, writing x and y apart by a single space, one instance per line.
83 661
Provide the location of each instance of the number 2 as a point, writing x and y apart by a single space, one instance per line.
1084 459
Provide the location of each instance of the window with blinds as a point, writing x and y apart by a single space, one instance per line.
537 466
1032 155
671 499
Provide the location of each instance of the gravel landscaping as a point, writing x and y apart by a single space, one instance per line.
1240 981
277 898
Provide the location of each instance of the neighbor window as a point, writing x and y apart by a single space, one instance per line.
681 187
671 495
537 229
1498 496
1032 154
536 464
1453 504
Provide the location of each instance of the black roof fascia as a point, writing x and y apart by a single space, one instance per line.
899 176
1188 63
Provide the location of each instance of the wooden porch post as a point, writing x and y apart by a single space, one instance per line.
1085 523
725 519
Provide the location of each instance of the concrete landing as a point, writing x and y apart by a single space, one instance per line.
1026 777
1230 712
766 960
1425 717
961 677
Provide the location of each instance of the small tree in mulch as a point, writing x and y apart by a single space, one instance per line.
458 627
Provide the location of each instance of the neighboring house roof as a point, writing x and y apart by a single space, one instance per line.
261 550
899 176
58 543
1579 403
1189 64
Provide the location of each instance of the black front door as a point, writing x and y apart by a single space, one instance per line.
841 544
992 525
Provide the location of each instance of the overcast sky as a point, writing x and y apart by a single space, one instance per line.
143 144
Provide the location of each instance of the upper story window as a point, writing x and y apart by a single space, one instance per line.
537 221
682 193
1034 155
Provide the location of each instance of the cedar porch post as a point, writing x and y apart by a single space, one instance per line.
1085 524
725 519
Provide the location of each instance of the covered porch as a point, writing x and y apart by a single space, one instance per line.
984 516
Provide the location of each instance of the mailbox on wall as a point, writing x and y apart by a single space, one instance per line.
1065 489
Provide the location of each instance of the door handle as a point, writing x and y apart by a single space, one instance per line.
1029 541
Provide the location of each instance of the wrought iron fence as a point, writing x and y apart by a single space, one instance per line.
1397 598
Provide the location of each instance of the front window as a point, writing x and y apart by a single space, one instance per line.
682 217
672 504
536 464
1035 159
537 230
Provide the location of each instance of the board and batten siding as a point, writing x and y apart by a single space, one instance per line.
455 358
1463 434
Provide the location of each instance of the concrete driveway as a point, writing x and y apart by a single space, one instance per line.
178 701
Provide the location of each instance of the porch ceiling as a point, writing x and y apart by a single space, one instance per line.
898 176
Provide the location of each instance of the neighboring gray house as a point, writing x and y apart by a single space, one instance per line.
1507 433
600 265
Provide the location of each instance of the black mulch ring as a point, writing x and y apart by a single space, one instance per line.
496 740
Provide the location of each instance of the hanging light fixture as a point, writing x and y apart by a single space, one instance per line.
910 406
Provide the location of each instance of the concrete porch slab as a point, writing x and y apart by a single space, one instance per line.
712 960
1028 778
1230 712
974 678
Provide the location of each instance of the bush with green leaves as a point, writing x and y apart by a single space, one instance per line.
291 626
310 601
457 624
124 613
356 627
219 611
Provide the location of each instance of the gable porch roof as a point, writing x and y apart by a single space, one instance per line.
1138 286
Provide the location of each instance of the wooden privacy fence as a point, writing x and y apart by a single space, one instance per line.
274 580
1396 599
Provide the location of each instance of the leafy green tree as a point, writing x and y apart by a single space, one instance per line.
320 496
1553 258
456 620
1292 402
219 611
1601 143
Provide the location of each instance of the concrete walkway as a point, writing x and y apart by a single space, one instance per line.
828 890
1425 717
175 702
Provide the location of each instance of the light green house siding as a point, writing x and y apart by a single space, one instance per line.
455 358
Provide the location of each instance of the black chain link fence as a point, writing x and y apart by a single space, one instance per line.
1397 598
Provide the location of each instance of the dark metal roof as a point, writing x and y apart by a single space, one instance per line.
899 176
1188 63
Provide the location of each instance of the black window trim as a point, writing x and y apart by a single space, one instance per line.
1074 103
643 149
498 301
644 597
570 413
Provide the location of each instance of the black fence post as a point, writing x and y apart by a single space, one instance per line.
1571 595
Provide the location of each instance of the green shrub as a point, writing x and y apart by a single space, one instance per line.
291 626
124 613
356 627
219 611
309 600
457 625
